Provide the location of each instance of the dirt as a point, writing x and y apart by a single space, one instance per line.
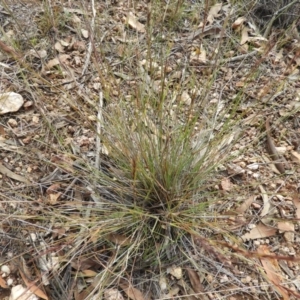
62 64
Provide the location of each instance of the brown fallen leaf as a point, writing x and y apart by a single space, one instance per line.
2 131
118 239
84 264
175 271
54 188
258 232
89 273
245 205
130 291
195 281
272 270
244 40
33 288
214 12
198 56
185 290
266 201
84 294
238 22
3 283
10 51
296 202
112 294
61 59
286 226
226 184
295 156
52 199
132 21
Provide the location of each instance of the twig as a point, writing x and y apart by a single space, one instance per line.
233 59
87 61
90 47
98 132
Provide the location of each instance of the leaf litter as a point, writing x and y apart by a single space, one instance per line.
33 150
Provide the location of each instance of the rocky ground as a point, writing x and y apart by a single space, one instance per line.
90 80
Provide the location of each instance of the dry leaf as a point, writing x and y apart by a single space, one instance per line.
75 20
62 58
73 10
188 291
173 291
10 51
272 270
118 239
80 47
3 283
113 294
130 291
54 188
33 288
295 156
134 23
19 292
10 102
51 63
65 162
185 98
267 204
245 205
2 130
286 226
226 184
59 47
53 198
175 271
238 22
213 13
257 41
89 273
296 202
163 283
199 55
84 264
234 169
244 40
195 281
258 232
38 53
85 33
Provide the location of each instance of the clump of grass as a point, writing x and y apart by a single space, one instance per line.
158 182
159 186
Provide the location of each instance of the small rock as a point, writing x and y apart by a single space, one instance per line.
12 122
10 102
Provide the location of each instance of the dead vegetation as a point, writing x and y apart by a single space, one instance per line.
148 151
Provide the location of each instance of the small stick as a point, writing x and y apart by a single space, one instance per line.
90 47
98 132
